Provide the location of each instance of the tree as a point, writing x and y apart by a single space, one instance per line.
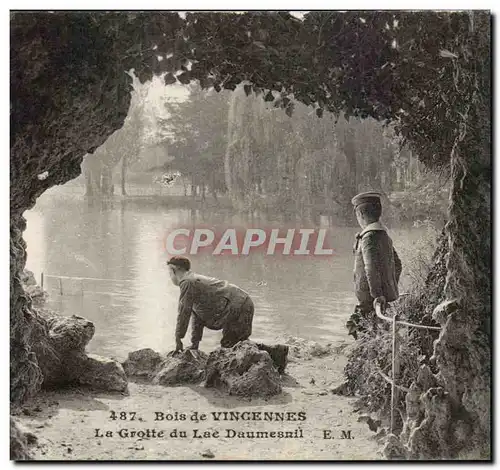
196 130
301 163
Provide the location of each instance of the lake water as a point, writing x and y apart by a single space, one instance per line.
130 297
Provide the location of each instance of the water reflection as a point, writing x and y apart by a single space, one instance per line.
309 297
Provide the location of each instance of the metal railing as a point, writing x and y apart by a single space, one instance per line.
394 320
44 276
395 356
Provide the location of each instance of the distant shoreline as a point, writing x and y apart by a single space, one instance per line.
142 195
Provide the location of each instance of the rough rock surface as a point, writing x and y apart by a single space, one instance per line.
393 449
69 334
37 294
242 370
98 373
142 364
19 442
62 84
59 344
28 279
185 367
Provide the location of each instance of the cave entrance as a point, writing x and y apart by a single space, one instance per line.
198 157
450 132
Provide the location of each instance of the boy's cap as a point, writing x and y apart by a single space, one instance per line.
180 261
362 198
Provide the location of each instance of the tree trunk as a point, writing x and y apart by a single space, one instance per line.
92 168
349 149
231 140
193 188
106 181
89 190
123 175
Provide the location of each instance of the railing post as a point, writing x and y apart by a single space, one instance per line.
395 357
41 280
395 371
60 287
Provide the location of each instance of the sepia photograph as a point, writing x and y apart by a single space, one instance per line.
259 235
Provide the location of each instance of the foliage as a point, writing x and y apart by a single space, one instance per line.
420 70
372 353
295 164
398 66
413 69
422 200
196 130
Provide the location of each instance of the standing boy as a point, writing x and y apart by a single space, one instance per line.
377 267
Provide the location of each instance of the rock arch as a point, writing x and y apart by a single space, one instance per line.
428 72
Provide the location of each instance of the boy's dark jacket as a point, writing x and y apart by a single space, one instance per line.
377 267
209 299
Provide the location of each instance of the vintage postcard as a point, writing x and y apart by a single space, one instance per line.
253 235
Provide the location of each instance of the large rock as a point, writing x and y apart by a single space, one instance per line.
19 442
184 368
99 373
70 334
180 368
37 294
242 370
28 278
59 344
142 364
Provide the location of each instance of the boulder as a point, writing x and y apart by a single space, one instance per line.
28 278
186 367
243 370
70 334
99 373
142 364
37 294
59 344
183 368
19 442
278 354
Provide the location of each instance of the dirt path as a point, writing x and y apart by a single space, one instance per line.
65 422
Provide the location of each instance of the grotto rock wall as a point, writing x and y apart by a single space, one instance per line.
69 92
462 353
